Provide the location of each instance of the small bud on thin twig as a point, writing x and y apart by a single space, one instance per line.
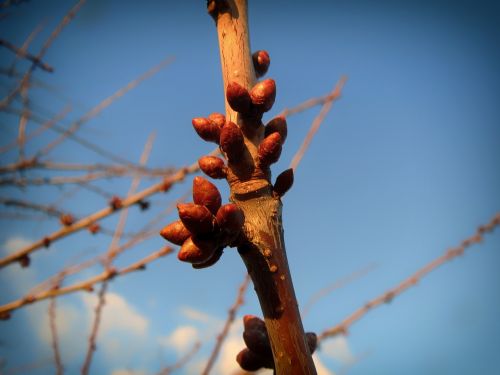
213 166
206 194
94 228
66 219
24 261
115 203
270 149
263 95
261 62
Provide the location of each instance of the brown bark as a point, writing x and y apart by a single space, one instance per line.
262 246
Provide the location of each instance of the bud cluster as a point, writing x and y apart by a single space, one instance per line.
205 226
258 353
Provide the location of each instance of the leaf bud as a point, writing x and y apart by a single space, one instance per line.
213 166
67 219
261 62
256 337
196 251
277 124
238 97
263 95
231 141
312 341
197 219
211 261
218 119
230 218
24 261
175 232
94 228
284 182
206 194
207 130
115 203
270 149
249 361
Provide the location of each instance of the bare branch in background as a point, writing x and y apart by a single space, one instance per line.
21 52
317 122
182 361
231 315
343 327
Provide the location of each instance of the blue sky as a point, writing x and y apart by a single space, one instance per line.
404 167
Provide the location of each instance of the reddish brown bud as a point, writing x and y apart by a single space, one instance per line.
197 219
231 140
46 241
94 228
166 184
24 261
312 341
249 361
277 124
115 203
175 232
255 336
230 218
270 149
144 205
217 119
206 194
263 95
66 219
207 130
261 62
238 97
4 315
283 182
198 251
212 166
211 261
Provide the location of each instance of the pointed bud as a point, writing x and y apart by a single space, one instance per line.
207 130
256 337
66 219
248 360
94 228
218 119
196 251
206 194
263 95
261 62
231 141
197 219
230 218
277 124
24 261
312 341
238 97
270 149
211 261
115 202
213 166
283 182
175 232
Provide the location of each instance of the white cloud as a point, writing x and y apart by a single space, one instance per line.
320 367
181 339
15 243
118 315
197 315
338 349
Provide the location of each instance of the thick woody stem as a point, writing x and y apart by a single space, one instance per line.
263 249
